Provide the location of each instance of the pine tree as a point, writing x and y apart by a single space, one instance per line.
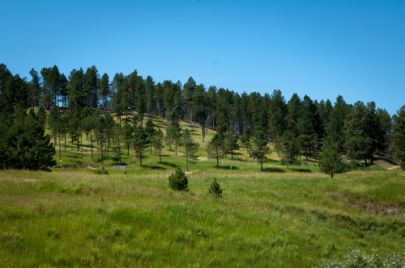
140 142
41 114
100 135
190 147
216 147
307 128
77 95
398 136
358 140
24 144
277 124
231 142
55 124
335 127
35 89
89 126
259 148
128 135
74 126
150 131
199 106
157 143
294 108
104 88
150 92
330 160
109 131
188 91
51 85
173 133
289 149
178 180
384 131
215 189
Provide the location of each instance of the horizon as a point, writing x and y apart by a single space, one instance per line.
304 48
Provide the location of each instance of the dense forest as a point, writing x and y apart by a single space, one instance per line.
112 110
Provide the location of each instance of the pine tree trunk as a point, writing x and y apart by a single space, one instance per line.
160 156
203 132
186 160
102 153
176 147
108 147
91 144
60 153
119 145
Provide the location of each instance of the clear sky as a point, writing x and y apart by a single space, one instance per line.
321 48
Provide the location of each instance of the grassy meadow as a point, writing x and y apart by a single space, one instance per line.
283 217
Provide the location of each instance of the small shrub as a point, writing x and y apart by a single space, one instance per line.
215 189
101 171
178 180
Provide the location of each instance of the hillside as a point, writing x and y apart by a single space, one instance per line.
282 217
81 157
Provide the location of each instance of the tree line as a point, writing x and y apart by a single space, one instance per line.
83 103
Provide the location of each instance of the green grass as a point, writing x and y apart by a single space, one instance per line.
264 219
283 217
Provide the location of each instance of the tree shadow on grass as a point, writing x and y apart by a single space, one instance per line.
273 169
169 164
307 170
75 155
227 167
153 167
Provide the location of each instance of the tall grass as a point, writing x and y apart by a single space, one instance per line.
290 219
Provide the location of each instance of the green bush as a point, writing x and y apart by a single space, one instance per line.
178 180
215 189
101 171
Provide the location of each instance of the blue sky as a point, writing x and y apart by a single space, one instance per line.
321 48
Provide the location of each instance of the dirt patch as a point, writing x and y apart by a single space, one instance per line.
383 209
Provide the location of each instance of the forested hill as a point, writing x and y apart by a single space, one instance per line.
299 126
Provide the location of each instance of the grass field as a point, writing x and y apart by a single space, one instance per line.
283 217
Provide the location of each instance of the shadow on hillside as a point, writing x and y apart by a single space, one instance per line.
75 155
273 169
309 160
169 164
153 167
301 170
227 167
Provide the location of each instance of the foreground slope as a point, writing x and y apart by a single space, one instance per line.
290 219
